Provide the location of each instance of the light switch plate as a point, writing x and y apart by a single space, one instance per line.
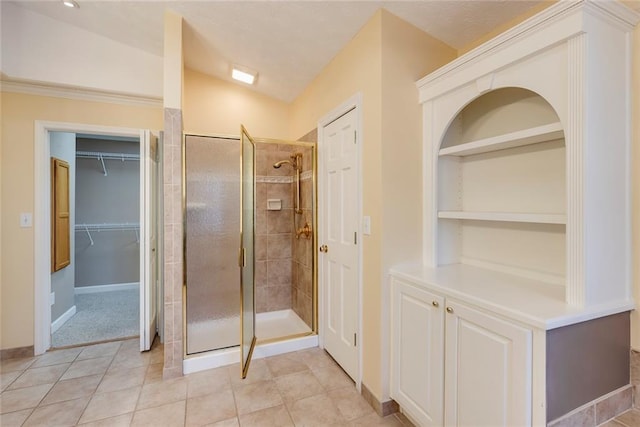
366 225
26 220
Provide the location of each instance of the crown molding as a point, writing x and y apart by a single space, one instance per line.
77 93
611 10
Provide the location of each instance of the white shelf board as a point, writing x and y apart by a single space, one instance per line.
533 302
519 138
534 218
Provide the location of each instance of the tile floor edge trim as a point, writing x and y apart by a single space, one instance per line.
17 352
382 408
575 415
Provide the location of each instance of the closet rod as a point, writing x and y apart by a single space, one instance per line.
106 156
107 226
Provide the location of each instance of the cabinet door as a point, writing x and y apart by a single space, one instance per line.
417 371
488 370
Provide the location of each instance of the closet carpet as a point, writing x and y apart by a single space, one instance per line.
101 316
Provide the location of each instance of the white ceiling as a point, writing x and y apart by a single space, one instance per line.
287 42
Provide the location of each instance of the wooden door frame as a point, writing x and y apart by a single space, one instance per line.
42 218
353 103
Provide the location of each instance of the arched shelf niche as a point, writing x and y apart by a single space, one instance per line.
501 193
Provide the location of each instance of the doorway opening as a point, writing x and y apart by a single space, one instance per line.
95 298
77 269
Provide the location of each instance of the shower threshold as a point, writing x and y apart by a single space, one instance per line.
272 330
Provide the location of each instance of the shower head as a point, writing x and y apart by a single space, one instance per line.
295 162
277 165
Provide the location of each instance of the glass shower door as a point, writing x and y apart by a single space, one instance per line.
247 250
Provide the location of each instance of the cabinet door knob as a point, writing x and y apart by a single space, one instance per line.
324 248
435 303
449 310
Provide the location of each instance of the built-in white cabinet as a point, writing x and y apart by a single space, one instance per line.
453 364
526 223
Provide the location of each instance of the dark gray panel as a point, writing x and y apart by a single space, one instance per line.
585 361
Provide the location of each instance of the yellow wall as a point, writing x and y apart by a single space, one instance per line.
19 112
215 107
382 63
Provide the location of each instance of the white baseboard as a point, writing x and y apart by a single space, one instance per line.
56 324
106 288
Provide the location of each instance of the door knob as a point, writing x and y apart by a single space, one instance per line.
324 248
449 309
435 303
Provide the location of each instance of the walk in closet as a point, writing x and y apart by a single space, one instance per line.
107 212
526 227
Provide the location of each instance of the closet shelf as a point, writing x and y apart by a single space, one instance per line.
534 135
533 218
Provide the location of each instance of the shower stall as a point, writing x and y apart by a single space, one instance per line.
263 192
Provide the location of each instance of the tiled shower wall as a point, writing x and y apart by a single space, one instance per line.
173 259
274 229
302 265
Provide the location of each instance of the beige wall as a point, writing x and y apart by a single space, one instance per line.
19 112
408 54
382 62
215 107
357 68
635 181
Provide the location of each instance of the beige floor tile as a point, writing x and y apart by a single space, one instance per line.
315 357
120 380
332 377
285 364
100 350
169 415
161 393
207 382
298 386
7 378
315 411
56 357
72 389
375 420
130 346
119 421
258 371
210 408
15 365
277 416
154 373
156 354
630 418
58 414
612 423
107 405
231 422
84 368
350 403
256 396
124 360
38 376
23 398
15 419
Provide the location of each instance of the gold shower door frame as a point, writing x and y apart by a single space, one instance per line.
314 308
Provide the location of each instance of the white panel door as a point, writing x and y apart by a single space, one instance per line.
148 238
488 370
340 262
417 357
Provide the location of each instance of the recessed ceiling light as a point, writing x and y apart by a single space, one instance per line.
70 3
243 76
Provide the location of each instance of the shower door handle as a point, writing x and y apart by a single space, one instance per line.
242 259
324 248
